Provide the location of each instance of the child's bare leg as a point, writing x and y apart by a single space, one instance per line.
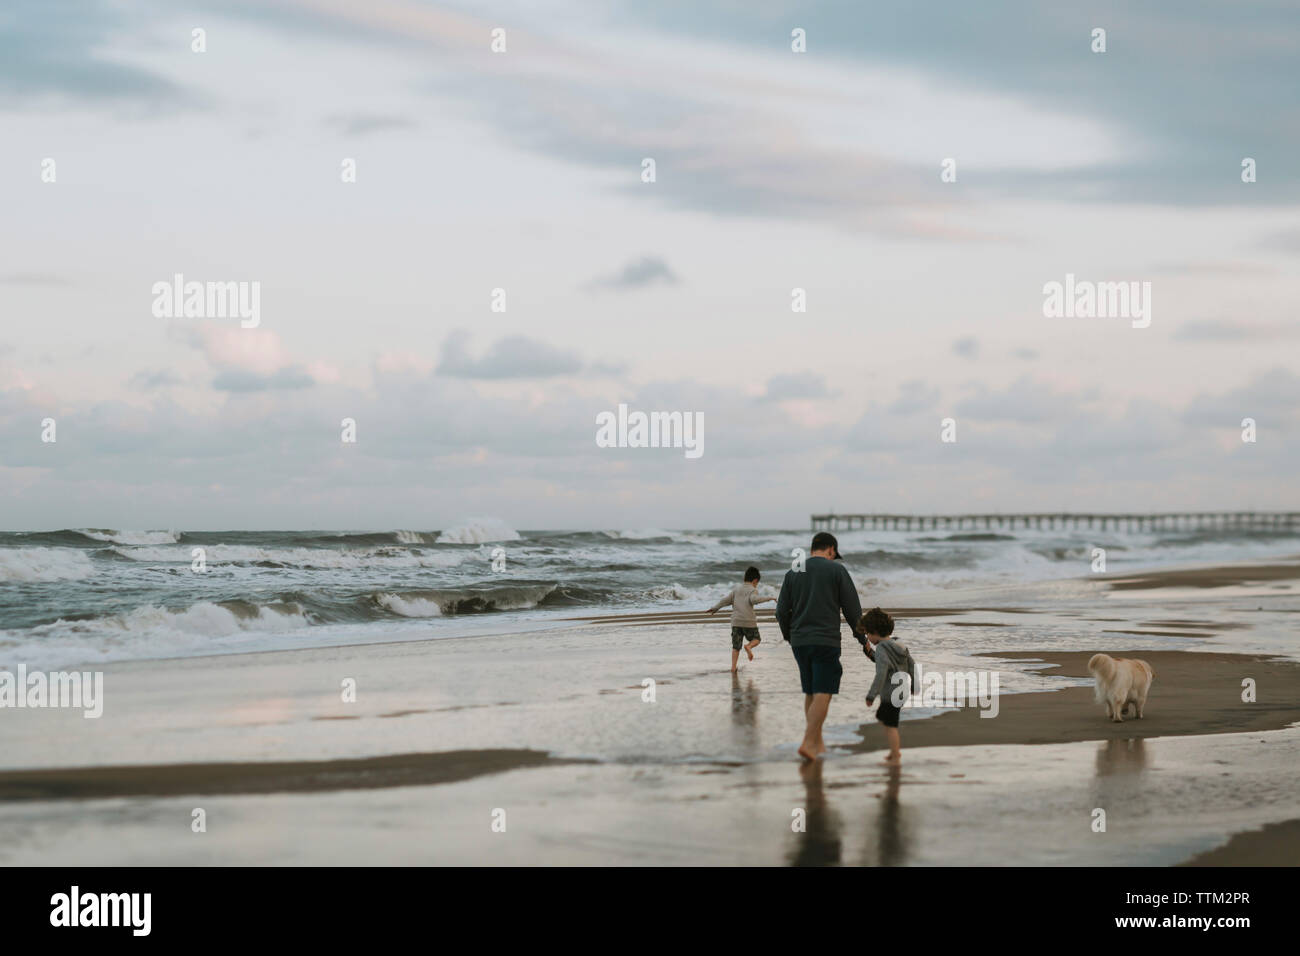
749 648
895 748
735 656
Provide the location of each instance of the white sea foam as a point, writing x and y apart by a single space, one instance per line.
148 631
43 564
410 606
361 558
435 604
130 537
208 619
478 531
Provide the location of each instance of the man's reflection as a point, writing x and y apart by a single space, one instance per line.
819 844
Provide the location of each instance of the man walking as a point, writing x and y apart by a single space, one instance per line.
808 612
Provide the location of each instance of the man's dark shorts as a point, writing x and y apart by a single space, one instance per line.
743 635
819 668
887 713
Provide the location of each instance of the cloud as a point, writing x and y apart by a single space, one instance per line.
1192 88
1272 399
42 279
1286 241
149 379
967 347
54 49
1091 452
513 357
251 360
726 140
363 124
914 396
797 385
1025 400
1228 330
637 274
242 380
1213 268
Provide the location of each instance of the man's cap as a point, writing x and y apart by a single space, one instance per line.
824 539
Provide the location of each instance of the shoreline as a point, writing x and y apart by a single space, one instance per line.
553 722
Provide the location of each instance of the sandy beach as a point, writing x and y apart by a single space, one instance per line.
556 729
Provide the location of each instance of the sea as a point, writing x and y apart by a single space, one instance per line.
93 595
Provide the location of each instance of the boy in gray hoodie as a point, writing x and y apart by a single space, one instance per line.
893 659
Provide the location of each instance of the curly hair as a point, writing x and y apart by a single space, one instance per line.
877 622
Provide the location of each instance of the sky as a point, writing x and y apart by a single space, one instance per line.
521 170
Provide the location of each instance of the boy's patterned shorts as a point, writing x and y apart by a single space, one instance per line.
741 635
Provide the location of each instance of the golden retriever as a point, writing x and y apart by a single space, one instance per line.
1120 682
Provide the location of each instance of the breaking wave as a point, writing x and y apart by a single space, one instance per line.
478 531
43 564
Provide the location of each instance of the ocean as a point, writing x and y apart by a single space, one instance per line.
84 596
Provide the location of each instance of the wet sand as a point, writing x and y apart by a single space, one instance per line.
1276 844
305 776
1211 577
557 728
1192 693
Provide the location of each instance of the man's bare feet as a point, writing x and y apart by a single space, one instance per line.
811 751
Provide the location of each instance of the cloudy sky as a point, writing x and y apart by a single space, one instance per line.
522 171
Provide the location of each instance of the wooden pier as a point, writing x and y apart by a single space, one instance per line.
1164 521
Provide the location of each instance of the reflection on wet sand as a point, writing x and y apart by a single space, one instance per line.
1121 756
887 836
1120 779
819 843
744 720
744 703
893 840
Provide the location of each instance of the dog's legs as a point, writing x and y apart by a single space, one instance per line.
1118 710
1141 703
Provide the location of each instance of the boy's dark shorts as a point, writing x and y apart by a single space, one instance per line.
887 713
740 635
819 668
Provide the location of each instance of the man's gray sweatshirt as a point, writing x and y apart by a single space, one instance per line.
811 601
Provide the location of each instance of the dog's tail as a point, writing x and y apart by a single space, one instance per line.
1100 667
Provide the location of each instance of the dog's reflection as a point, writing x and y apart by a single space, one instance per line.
1120 756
